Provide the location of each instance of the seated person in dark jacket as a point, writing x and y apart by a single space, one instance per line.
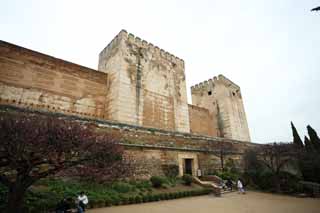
64 206
229 184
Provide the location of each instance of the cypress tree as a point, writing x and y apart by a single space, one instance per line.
308 144
314 139
296 138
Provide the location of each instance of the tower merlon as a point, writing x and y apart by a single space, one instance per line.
145 44
227 81
138 41
123 34
215 80
106 50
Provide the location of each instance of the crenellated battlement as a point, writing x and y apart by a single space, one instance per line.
228 82
123 34
223 99
209 84
115 41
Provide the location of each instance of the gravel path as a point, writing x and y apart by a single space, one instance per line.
251 202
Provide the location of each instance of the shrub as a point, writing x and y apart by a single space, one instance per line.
145 198
160 196
138 199
187 179
3 196
289 182
115 202
166 196
157 181
41 200
122 187
143 185
124 200
115 199
107 201
174 195
179 194
170 170
173 182
231 167
143 190
170 195
132 200
163 196
92 204
156 198
228 175
100 203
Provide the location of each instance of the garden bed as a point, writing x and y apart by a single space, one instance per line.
43 196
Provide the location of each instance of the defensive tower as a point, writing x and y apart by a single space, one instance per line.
146 84
223 99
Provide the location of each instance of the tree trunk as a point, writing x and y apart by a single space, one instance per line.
15 199
222 161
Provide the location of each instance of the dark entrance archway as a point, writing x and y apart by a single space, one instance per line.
188 166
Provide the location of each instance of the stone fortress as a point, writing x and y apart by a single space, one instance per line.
138 90
148 88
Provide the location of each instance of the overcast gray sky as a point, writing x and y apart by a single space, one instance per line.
270 48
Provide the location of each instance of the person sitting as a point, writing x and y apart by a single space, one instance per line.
83 201
64 206
229 184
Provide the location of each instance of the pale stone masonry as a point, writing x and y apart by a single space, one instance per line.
136 83
147 86
139 92
223 99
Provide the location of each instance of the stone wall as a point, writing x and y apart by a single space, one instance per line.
202 122
150 149
137 83
29 79
223 99
148 84
139 93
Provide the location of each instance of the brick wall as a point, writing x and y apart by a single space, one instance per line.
150 149
33 80
202 121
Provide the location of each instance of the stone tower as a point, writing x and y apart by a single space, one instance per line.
146 85
223 99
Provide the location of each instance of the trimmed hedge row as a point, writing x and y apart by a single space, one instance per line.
146 198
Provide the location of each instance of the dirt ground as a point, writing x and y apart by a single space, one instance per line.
251 202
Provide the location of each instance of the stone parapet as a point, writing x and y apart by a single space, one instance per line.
205 85
123 34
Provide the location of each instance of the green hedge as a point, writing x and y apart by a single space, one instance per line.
150 198
50 192
157 181
187 179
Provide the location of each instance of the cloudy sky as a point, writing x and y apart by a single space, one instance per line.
271 48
